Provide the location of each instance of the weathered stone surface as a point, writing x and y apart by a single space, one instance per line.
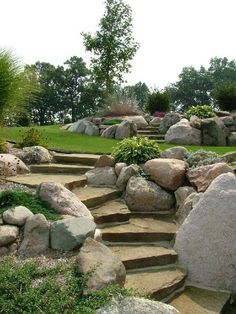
213 132
169 120
155 121
126 129
205 242
143 195
62 200
133 305
138 120
12 165
125 174
177 152
36 235
108 269
186 207
101 176
110 132
69 234
182 193
201 177
8 234
17 215
79 126
196 122
227 120
168 173
230 156
35 155
105 161
182 133
119 166
232 139
91 129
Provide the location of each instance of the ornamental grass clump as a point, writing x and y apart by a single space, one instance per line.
136 150
202 158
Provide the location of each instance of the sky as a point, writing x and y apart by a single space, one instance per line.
172 33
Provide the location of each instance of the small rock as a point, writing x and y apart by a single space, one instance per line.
17 215
119 166
101 176
125 174
107 267
69 234
110 131
155 121
182 193
105 161
185 208
8 234
12 165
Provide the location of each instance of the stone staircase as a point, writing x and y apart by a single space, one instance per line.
152 133
142 241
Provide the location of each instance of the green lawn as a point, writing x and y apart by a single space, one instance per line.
79 143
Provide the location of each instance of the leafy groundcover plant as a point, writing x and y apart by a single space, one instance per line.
136 150
201 112
202 158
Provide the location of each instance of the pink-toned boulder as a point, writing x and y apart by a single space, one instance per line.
168 173
201 177
105 161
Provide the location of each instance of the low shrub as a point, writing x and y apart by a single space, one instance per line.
20 198
202 158
136 150
67 120
201 112
112 121
3 146
158 101
32 137
159 114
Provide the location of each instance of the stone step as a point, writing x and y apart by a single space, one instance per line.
200 301
32 180
154 136
111 212
148 132
95 196
144 255
87 159
149 128
157 283
60 168
141 230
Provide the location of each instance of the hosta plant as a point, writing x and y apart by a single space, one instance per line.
201 112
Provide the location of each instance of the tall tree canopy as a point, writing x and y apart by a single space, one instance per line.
113 45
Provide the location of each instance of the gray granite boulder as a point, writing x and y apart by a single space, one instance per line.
177 152
69 234
232 139
91 129
105 161
169 120
17 215
8 234
119 166
107 267
101 176
213 132
126 129
146 196
125 174
182 193
205 242
35 155
110 131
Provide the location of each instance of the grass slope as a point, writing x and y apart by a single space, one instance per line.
80 143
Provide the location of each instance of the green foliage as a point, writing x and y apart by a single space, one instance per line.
20 198
136 150
202 158
67 120
225 95
201 112
158 101
140 92
30 288
113 45
112 121
32 137
3 146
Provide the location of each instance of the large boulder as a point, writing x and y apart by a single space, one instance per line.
201 177
205 242
125 174
91 129
79 126
168 173
169 120
126 129
227 120
107 267
146 196
12 165
8 234
68 234
17 215
101 176
134 305
213 132
110 131
35 155
182 133
138 120
62 200
177 152
36 235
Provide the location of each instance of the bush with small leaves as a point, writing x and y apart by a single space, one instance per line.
136 150
3 146
225 95
158 101
32 137
202 158
201 112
